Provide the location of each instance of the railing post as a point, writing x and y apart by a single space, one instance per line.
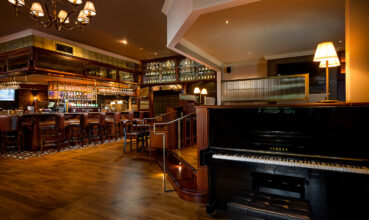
164 146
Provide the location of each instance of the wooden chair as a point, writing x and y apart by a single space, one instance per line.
132 132
10 125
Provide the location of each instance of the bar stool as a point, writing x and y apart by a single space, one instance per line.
112 121
50 127
96 122
10 127
77 122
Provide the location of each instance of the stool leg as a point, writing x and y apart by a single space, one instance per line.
81 135
130 143
2 142
89 135
19 142
69 128
102 132
125 140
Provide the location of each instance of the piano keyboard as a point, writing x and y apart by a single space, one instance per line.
303 163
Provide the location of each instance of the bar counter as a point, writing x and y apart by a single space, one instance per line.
31 125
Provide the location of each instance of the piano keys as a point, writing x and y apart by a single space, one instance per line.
313 152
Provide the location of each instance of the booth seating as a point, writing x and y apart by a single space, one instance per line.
250 205
10 126
112 121
96 126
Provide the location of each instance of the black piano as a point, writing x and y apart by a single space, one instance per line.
316 153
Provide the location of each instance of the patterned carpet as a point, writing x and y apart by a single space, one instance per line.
12 154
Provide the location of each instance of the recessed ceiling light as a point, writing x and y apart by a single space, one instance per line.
124 41
227 21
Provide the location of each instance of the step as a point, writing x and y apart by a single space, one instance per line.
182 178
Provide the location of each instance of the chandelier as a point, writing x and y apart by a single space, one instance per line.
47 13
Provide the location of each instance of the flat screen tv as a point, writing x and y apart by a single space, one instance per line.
7 95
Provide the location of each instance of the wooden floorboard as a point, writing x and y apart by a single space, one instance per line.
98 182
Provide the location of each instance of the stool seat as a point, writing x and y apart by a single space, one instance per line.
93 121
109 120
72 122
251 205
47 123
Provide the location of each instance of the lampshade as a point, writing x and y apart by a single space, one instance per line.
89 9
62 15
37 9
204 91
331 63
18 3
325 51
83 18
196 90
75 2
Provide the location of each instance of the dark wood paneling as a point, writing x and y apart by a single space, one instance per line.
202 118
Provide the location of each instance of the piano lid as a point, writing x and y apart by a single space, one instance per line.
335 131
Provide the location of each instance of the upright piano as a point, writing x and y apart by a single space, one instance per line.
318 153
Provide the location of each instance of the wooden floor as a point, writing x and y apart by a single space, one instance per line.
97 182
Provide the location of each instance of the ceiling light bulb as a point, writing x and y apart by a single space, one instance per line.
36 9
124 41
17 3
83 18
227 21
62 16
89 9
75 2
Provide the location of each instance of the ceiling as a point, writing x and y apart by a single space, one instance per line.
141 23
268 28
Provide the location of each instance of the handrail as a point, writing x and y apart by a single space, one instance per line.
164 144
157 116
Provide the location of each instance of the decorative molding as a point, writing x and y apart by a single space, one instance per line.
166 6
14 36
29 32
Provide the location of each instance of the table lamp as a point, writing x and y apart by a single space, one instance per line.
327 56
197 91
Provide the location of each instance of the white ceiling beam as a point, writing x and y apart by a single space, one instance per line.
182 14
